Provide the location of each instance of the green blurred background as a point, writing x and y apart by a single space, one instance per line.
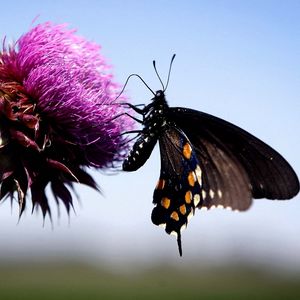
74 281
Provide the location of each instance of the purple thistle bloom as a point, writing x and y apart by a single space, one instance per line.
57 106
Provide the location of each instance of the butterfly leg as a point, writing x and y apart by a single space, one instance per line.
131 131
132 105
126 114
130 140
136 107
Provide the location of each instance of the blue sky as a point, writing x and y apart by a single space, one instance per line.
238 60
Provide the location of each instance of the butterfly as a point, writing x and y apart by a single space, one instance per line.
205 162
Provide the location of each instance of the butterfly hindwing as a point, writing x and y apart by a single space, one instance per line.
178 190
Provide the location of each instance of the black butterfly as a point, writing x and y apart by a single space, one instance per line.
205 162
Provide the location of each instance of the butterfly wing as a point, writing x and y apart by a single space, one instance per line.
178 190
224 180
234 161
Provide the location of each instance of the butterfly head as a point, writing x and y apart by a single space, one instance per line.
159 98
159 94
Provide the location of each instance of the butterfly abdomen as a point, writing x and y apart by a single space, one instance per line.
140 152
153 121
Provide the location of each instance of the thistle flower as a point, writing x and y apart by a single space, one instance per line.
57 109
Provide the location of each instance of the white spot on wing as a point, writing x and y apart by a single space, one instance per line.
211 193
198 172
182 227
191 214
196 199
203 194
174 233
163 225
220 193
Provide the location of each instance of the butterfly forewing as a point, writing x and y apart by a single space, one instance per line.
270 175
225 183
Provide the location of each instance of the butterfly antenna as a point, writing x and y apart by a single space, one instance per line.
171 63
126 82
154 65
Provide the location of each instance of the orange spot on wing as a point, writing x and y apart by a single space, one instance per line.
174 216
182 209
165 202
187 151
191 178
188 197
160 184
